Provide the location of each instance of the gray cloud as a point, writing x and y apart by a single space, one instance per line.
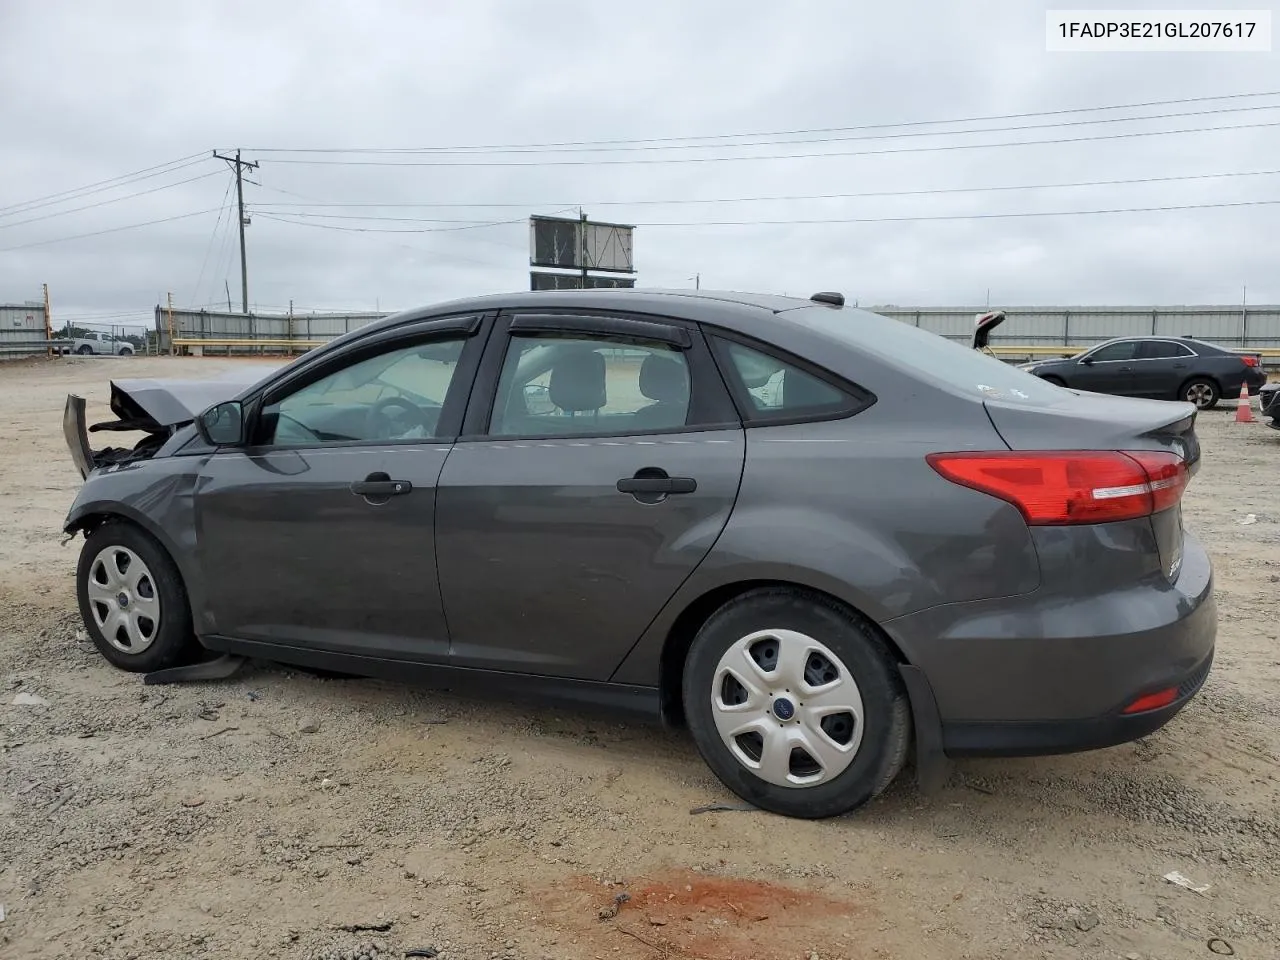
98 90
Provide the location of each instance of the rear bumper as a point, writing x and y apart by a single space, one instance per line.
1045 737
1048 673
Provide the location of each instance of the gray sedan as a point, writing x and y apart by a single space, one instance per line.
812 535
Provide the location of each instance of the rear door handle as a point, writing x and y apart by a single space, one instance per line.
1126 369
380 486
652 484
657 485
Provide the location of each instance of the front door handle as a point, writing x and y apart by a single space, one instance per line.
653 485
1126 369
379 487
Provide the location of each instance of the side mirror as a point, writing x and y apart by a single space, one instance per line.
1087 361
222 425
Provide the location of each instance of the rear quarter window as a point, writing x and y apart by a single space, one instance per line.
929 356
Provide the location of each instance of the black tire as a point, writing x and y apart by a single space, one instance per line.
1205 389
865 654
85 350
173 643
126 352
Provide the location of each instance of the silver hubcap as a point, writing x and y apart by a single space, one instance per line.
787 708
123 599
1200 394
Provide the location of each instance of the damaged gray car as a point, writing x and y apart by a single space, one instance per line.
814 536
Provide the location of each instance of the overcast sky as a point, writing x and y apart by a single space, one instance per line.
94 91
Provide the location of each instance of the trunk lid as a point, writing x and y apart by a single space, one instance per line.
1094 421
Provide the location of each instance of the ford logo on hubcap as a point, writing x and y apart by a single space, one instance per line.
783 709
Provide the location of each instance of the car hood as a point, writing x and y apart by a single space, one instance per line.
150 404
155 408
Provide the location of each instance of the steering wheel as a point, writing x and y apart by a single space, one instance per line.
383 427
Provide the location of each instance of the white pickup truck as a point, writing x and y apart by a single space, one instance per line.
94 342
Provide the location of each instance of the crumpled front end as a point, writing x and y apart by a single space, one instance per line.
76 432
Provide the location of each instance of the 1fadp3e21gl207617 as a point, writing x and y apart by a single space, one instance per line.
805 531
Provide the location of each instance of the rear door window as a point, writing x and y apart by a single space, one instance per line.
770 389
1162 350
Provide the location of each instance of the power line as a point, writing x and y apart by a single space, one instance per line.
765 199
439 151
212 237
785 133
103 203
800 222
143 174
99 233
774 156
965 216
330 226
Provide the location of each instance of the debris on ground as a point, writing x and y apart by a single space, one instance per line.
1178 879
611 911
367 926
1221 947
724 808
1248 518
29 700
429 952
1087 921
309 726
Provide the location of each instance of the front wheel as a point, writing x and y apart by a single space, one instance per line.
126 352
796 703
1201 391
1056 381
132 600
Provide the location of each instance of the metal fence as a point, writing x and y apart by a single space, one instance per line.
274 332
1238 327
22 330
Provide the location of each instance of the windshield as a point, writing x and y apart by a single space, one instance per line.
930 355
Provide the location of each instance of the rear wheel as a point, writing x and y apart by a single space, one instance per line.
1201 391
85 350
796 703
132 600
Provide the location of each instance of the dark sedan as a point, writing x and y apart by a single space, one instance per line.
811 534
1161 368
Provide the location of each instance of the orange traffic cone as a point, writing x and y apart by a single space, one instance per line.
1244 409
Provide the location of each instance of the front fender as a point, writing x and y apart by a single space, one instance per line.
157 495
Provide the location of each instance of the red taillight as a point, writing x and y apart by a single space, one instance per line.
1071 486
1153 701
1250 361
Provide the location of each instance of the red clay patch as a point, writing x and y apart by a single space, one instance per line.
691 915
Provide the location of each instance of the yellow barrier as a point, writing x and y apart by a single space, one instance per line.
242 342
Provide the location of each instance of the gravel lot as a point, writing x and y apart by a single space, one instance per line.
278 814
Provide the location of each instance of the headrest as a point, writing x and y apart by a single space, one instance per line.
577 380
663 379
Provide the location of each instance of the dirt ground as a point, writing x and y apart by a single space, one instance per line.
262 815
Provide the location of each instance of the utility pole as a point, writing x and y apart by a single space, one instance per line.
582 245
244 264
172 349
48 327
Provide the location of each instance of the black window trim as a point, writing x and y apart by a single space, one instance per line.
594 324
718 337
602 324
465 327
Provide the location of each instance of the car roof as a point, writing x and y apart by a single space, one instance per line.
689 304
